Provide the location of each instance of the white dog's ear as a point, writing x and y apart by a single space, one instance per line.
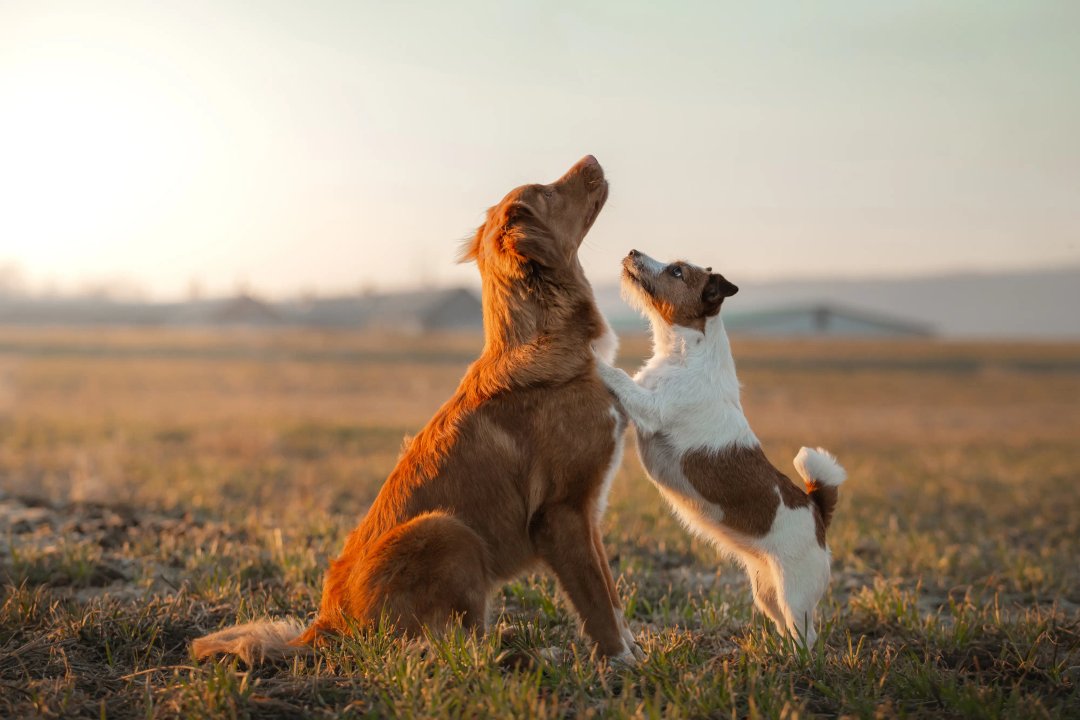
716 289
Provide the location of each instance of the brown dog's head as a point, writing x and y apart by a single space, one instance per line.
527 254
540 227
678 293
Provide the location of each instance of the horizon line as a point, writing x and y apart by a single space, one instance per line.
133 294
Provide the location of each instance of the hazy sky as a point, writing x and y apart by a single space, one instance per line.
326 146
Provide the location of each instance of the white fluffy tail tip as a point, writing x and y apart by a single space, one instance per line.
819 466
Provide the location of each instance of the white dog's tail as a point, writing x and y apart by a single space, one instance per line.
823 476
255 642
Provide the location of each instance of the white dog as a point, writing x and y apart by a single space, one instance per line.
700 452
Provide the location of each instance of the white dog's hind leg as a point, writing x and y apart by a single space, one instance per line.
765 592
802 582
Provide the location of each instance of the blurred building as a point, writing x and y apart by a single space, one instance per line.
245 310
822 320
410 312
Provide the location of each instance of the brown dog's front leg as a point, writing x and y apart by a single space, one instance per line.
609 581
564 538
613 593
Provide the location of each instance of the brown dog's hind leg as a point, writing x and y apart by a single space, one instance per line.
424 574
564 539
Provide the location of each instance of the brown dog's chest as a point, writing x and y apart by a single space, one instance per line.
504 461
569 435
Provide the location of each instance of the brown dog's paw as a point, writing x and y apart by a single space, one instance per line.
627 658
519 659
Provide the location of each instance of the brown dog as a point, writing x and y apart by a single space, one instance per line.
512 470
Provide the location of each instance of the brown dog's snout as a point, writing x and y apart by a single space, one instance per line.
588 164
588 168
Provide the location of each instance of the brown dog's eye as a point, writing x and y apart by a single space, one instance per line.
676 271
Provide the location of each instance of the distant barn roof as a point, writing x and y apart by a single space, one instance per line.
823 319
245 310
444 309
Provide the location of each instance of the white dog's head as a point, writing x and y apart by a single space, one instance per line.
678 293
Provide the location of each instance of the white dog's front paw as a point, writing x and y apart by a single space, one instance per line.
604 356
609 374
607 345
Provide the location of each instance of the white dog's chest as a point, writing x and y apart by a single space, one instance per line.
692 412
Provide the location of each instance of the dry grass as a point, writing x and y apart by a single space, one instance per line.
158 484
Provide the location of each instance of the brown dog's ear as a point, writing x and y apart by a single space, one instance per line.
716 289
470 247
526 238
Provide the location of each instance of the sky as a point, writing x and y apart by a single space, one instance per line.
326 147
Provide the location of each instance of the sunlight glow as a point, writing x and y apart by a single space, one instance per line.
95 148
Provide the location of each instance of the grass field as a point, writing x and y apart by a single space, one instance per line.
155 485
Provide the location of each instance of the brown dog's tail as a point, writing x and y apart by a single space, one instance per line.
823 476
258 641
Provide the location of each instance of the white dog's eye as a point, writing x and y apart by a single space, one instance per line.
676 271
